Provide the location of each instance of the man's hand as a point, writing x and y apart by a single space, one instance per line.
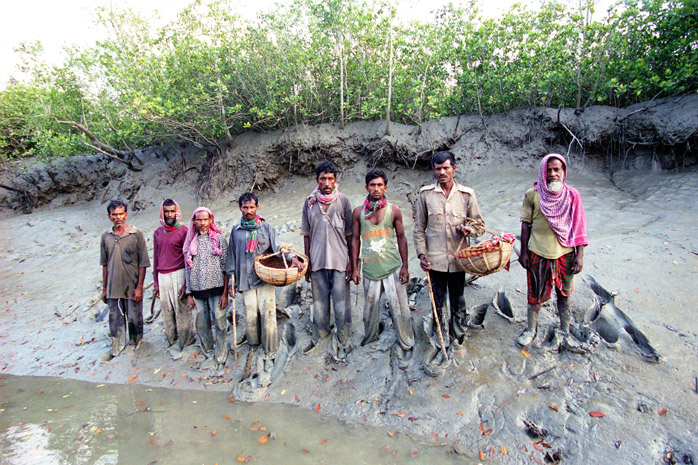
348 274
523 259
223 303
307 273
156 291
232 292
138 294
578 264
297 263
182 292
104 294
404 275
356 276
466 230
190 302
424 262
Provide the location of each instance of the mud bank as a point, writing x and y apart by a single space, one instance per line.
643 229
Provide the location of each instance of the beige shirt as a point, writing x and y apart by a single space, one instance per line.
437 217
543 241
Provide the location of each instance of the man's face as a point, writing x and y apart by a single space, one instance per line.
555 174
118 216
326 182
202 221
376 188
444 172
170 214
249 210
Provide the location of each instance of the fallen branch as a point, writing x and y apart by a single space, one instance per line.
540 373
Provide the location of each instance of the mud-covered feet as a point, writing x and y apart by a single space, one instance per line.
404 357
107 356
175 352
527 337
572 344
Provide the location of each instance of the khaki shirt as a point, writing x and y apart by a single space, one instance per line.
543 241
123 256
437 217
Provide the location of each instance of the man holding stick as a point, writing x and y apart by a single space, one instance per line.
440 226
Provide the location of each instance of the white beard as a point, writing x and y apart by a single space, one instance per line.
555 186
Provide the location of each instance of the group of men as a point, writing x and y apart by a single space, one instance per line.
196 270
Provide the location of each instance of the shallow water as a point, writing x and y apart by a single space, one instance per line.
56 421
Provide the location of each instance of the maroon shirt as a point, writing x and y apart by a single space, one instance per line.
167 251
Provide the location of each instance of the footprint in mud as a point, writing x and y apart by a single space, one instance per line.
609 322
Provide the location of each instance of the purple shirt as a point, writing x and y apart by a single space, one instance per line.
167 251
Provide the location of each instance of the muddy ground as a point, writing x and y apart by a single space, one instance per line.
643 229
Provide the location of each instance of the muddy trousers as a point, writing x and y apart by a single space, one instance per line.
454 321
260 316
331 284
123 314
176 315
396 293
208 312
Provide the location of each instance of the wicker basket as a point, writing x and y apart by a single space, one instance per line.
488 262
279 276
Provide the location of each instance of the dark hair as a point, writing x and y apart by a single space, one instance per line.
376 173
326 167
116 204
442 157
168 203
246 197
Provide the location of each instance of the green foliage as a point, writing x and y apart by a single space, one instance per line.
209 75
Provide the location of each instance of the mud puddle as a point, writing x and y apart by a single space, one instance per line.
57 421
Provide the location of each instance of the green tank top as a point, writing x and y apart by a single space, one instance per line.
379 246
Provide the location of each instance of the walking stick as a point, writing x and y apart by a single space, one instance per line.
235 325
436 316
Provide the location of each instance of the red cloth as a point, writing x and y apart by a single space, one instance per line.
167 251
564 209
543 274
487 246
191 243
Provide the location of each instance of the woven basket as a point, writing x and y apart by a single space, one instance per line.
279 276
486 262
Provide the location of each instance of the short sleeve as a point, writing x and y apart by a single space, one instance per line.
143 260
348 227
103 255
527 207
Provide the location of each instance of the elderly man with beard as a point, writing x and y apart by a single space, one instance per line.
253 236
168 277
326 226
553 237
124 258
380 234
205 253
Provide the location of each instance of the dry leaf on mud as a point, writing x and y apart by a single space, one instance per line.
227 417
263 439
139 402
98 430
486 432
324 441
525 352
392 435
213 433
482 456
414 452
446 396
662 411
504 450
317 408
132 379
298 399
306 451
553 407
460 413
399 414
597 414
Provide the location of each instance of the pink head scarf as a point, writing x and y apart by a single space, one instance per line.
178 216
564 209
191 243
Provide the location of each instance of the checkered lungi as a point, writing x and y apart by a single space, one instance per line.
542 273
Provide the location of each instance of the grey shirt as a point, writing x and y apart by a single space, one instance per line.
328 231
241 263
208 270
123 256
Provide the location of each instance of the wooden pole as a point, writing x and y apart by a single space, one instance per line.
235 325
436 317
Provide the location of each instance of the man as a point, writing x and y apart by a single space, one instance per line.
205 253
553 236
124 258
442 210
375 227
325 226
168 277
253 236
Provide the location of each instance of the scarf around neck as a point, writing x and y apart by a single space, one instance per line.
372 206
564 209
251 227
178 217
317 196
191 243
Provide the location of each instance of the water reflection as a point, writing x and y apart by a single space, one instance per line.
52 421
